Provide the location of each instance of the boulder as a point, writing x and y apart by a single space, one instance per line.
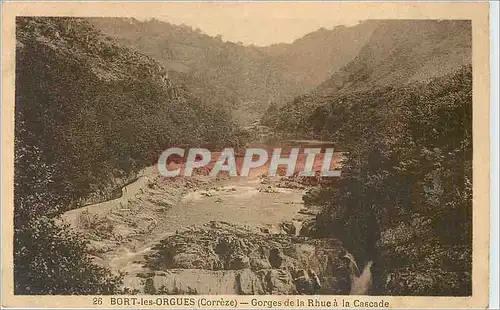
306 282
288 227
249 283
279 282
240 262
193 281
245 261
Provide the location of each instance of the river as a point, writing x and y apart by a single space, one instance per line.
124 230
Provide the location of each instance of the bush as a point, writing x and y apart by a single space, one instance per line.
50 259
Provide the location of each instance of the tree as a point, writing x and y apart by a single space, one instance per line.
48 257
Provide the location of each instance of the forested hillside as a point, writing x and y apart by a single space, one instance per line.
244 79
398 53
405 196
317 55
402 112
89 115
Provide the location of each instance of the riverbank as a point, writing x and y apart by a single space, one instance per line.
126 232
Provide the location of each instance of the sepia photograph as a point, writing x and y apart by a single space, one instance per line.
224 149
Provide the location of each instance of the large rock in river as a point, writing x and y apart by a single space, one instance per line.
222 258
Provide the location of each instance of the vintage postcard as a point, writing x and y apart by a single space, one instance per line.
245 154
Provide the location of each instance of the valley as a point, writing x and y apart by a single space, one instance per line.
99 99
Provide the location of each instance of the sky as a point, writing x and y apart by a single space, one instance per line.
252 23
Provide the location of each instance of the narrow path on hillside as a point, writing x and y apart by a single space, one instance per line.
128 192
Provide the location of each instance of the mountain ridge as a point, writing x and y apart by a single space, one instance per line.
398 53
243 79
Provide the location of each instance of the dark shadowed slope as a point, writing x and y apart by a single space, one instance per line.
98 111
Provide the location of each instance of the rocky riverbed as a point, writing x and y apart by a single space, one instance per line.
223 258
212 236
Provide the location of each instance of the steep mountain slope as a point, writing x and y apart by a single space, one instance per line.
398 53
404 199
99 111
222 73
402 112
244 79
89 114
319 54
404 51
